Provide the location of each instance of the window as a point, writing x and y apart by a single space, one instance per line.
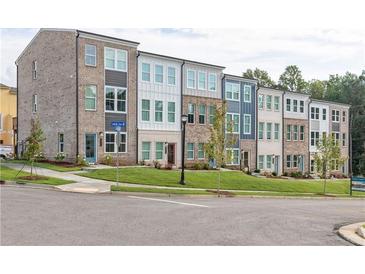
158 111
201 151
35 103
301 134
145 110
115 99
90 98
336 137
276 103
268 161
261 131
212 82
146 148
34 70
190 152
276 131
61 142
247 124
247 93
314 138
233 123
159 150
295 105
268 131
288 132
295 160
159 74
260 101
335 115
288 104
268 102
115 59
191 79
312 165
233 156
211 114
324 114
343 139
301 106
146 72
232 91
90 55
202 110
171 112
171 76
261 162
288 161
314 113
111 142
295 133
202 80
191 113
343 116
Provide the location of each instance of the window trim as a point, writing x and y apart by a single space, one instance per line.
154 113
187 79
116 59
115 99
232 98
149 73
95 98
263 162
191 113
267 131
269 96
231 163
205 81
59 142
244 124
115 141
262 101
215 82
239 120
162 151
155 74
170 112
204 114
295 105
149 151
201 150
34 70
337 114
85 55
278 103
276 131
35 103
145 110
244 93
168 76
187 151
301 106
262 131
288 105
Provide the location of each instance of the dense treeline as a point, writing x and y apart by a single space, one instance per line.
348 89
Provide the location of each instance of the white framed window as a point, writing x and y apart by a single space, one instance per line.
158 111
261 162
35 103
212 110
171 112
201 154
202 111
288 161
247 124
191 113
247 93
232 91
233 156
288 132
288 104
295 132
146 151
190 151
324 114
336 137
146 106
115 99
90 55
61 143
191 79
171 76
115 59
295 161
301 106
90 97
159 74
335 115
312 168
159 150
314 113
260 101
146 72
212 82
268 131
276 131
295 105
233 122
268 161
202 80
268 102
261 131
276 103
301 133
314 138
34 70
111 142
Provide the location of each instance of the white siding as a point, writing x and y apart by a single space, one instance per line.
318 125
299 97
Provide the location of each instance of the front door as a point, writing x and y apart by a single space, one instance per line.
171 154
90 147
301 163
276 165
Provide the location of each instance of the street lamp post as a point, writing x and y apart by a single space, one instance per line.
184 119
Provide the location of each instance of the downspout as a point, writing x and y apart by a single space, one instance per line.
17 113
257 126
309 136
282 133
137 111
182 105
77 94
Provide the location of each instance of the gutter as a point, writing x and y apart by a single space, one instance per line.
137 111
257 126
181 103
283 137
17 113
77 93
309 136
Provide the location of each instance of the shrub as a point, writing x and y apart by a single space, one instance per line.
248 172
274 174
197 166
296 174
60 156
206 166
285 174
142 163
81 161
108 160
157 164
257 171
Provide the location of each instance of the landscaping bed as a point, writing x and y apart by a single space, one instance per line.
53 165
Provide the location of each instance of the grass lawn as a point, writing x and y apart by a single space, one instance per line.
47 165
232 180
8 174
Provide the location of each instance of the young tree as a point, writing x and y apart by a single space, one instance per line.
221 139
261 76
328 157
34 143
316 88
292 79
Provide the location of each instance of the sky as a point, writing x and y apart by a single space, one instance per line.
317 52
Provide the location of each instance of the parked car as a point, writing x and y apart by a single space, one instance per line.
6 152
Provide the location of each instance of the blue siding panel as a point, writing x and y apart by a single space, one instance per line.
248 108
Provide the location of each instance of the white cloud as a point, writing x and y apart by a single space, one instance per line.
317 52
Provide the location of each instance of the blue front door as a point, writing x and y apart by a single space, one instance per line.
90 147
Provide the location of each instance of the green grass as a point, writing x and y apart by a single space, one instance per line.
46 165
8 174
232 180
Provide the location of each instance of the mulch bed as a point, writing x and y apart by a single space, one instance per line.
222 192
59 163
33 178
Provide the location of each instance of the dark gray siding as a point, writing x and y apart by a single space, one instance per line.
110 117
335 127
115 78
248 108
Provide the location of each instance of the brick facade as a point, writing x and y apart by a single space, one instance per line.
250 147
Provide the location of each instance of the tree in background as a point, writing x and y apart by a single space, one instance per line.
34 143
292 79
221 139
261 76
328 157
316 88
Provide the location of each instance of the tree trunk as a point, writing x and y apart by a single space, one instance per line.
219 183
31 169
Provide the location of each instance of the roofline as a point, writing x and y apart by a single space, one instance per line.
241 77
330 102
161 56
106 37
275 89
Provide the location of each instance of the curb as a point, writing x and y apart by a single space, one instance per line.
349 233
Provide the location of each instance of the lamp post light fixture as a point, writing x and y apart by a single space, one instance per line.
184 119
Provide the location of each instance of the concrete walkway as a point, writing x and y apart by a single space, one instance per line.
349 232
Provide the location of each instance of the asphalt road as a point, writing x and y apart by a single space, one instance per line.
46 217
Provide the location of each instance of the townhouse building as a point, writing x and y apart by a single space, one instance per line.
7 116
269 130
240 96
77 83
295 138
201 94
159 105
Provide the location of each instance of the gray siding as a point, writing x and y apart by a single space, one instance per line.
115 78
335 127
248 108
233 107
110 117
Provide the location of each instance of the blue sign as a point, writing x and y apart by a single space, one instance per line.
118 124
358 183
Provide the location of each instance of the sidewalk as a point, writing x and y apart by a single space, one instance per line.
348 232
